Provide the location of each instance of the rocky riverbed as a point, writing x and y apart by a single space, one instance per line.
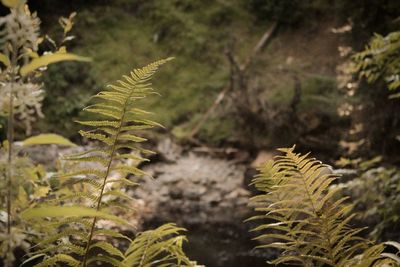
196 190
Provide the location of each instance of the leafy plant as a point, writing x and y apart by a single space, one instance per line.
380 60
93 187
376 194
21 98
304 219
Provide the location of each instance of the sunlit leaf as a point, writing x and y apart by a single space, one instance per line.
47 139
49 59
5 60
11 3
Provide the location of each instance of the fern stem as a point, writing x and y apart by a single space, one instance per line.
113 149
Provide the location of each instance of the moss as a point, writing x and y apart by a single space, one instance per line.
128 34
118 41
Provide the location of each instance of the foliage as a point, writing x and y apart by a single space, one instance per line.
303 218
28 186
376 194
93 186
23 184
380 60
370 79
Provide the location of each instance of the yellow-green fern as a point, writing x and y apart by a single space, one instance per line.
81 199
302 218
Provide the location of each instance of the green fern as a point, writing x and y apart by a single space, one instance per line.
302 218
159 247
75 237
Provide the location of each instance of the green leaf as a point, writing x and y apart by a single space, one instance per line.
5 60
69 211
51 261
49 59
11 3
110 249
47 139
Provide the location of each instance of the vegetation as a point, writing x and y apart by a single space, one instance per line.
70 230
225 93
75 230
310 225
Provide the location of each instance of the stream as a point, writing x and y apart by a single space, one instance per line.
206 195
197 190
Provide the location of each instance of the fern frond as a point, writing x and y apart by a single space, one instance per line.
117 130
159 247
59 258
300 212
107 247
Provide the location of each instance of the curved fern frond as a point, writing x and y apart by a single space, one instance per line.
159 247
99 174
302 217
53 260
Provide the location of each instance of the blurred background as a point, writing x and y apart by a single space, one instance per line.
249 76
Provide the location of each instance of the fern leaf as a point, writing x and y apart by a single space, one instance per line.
129 170
117 193
84 153
80 173
308 225
135 148
136 127
131 137
95 136
111 233
107 247
131 156
157 247
114 124
122 181
53 260
116 131
105 112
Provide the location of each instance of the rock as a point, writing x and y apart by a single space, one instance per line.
169 150
201 189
